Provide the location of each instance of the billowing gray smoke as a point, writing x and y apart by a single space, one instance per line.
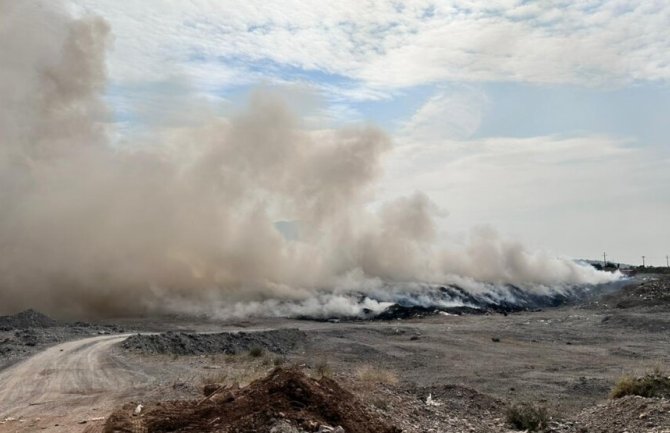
88 227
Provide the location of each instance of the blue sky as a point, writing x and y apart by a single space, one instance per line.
546 120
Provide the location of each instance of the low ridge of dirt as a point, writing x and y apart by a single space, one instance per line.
181 343
438 408
26 319
649 291
631 414
285 400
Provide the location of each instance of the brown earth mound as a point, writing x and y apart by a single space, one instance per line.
286 397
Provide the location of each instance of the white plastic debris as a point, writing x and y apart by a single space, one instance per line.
138 409
431 402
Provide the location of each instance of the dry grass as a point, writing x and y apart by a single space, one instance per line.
526 416
238 369
371 374
654 384
322 369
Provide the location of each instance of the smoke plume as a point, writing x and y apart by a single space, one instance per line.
247 214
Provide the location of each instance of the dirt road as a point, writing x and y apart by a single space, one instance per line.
59 388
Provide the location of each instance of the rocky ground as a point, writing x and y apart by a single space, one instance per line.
434 373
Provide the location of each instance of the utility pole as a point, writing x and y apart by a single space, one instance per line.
604 260
667 264
643 262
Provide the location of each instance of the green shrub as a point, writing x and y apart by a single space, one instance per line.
526 416
655 384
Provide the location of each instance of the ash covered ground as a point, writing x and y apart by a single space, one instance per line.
415 371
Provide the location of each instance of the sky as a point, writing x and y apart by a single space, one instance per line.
546 120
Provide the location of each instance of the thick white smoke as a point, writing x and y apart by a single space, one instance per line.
88 228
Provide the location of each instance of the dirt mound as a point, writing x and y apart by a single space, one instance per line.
180 343
26 319
285 400
632 414
651 292
439 408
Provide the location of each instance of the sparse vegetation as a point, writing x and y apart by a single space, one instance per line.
368 373
654 384
526 416
256 352
236 369
214 378
323 369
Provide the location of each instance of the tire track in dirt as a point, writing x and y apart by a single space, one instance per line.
57 389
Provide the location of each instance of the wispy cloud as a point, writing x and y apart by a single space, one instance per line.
578 194
388 45
454 113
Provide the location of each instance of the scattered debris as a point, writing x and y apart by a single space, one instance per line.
431 402
654 292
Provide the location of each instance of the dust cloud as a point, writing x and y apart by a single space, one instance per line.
245 214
